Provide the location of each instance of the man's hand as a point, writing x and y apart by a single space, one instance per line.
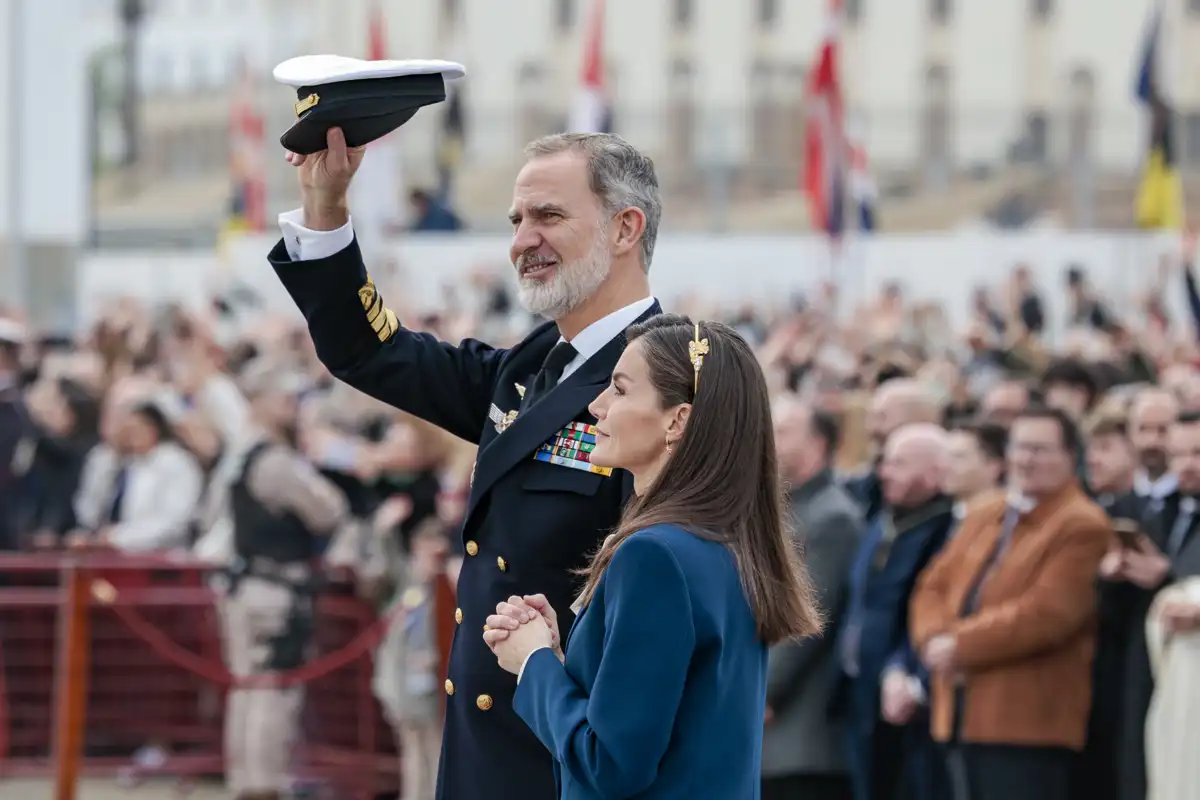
898 701
939 653
325 180
1146 567
1111 564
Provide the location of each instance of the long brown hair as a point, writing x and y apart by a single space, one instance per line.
721 482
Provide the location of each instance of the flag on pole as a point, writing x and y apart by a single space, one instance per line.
824 135
1159 201
591 112
247 205
862 186
375 191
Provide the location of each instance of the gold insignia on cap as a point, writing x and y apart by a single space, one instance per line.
382 320
520 390
307 103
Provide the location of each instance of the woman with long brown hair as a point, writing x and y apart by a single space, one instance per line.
661 689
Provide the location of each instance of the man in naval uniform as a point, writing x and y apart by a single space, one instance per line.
585 215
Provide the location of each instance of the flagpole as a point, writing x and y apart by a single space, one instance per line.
17 262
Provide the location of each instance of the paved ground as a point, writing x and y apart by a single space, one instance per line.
105 790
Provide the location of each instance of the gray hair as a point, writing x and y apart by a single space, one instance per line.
619 175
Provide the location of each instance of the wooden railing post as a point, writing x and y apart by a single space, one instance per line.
71 679
444 602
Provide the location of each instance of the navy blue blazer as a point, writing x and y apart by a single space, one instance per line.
879 595
528 522
664 687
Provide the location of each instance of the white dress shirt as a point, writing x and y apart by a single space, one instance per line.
1156 491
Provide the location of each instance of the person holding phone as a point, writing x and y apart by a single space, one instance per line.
1154 541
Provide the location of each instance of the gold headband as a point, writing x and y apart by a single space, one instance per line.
697 350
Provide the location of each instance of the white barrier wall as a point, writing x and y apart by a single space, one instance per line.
943 267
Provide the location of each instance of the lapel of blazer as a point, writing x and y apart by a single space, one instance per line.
550 415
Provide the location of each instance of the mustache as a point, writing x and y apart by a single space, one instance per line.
533 260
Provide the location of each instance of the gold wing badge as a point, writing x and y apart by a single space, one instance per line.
382 320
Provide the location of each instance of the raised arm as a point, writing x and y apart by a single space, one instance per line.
356 335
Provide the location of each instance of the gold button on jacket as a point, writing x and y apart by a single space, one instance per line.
484 701
501 563
458 615
472 548
449 686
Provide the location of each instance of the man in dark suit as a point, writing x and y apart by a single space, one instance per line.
585 216
895 403
1130 577
802 749
883 688
16 435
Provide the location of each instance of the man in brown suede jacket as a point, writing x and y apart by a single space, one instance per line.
1004 619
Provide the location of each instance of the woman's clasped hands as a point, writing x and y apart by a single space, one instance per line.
520 626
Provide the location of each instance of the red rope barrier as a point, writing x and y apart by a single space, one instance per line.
215 672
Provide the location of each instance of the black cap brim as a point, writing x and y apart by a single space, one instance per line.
365 109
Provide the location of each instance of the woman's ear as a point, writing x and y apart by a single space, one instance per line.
679 422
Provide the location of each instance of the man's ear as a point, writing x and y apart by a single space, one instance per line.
629 225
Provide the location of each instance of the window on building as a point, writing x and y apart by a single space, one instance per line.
681 118
1041 10
565 16
768 13
936 134
765 113
940 11
682 15
1191 138
1037 137
532 91
853 9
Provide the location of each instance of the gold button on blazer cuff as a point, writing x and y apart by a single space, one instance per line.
486 628
472 549
458 615
449 686
484 701
501 563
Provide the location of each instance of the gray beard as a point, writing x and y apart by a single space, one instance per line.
572 284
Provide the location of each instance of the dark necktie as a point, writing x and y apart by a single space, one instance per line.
552 369
1183 524
118 496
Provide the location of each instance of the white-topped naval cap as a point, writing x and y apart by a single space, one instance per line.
320 70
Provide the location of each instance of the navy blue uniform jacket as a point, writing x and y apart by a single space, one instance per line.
528 523
664 687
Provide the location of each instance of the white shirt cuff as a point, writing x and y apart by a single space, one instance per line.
526 662
304 244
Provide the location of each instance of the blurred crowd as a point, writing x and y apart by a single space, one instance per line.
129 436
